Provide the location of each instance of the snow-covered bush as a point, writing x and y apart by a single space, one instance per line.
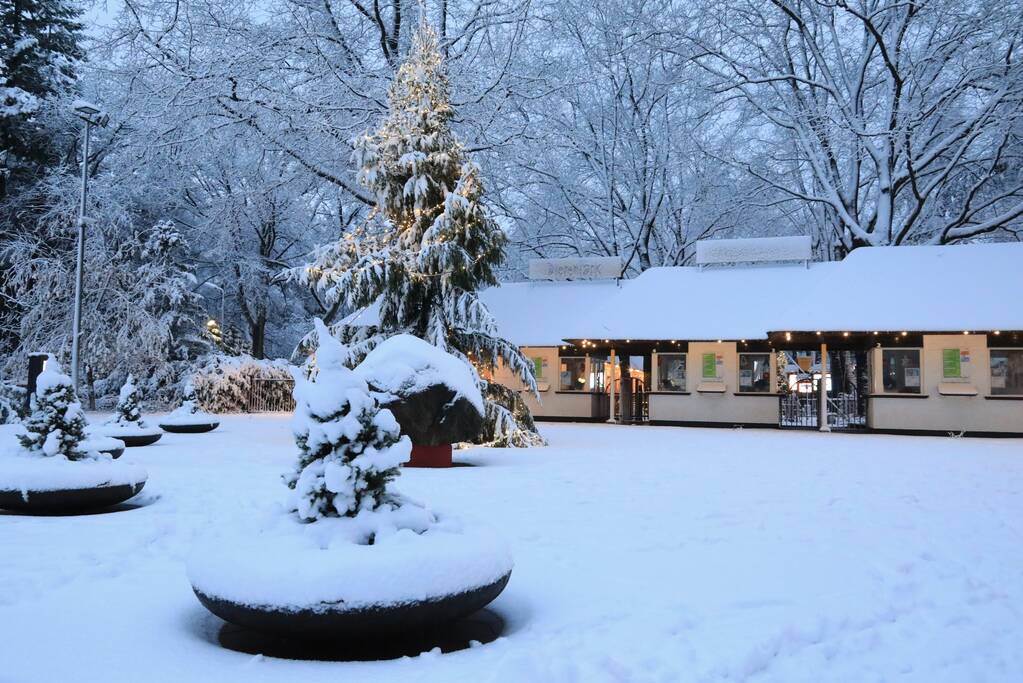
12 398
349 447
189 400
128 410
56 425
222 384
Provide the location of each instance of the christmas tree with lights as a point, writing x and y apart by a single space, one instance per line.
430 244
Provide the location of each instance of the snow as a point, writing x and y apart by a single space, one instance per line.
532 313
922 288
98 442
403 365
642 554
293 565
184 417
23 471
118 429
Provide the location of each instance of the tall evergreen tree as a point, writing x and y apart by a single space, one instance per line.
430 244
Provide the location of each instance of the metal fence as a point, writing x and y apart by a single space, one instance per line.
271 395
801 410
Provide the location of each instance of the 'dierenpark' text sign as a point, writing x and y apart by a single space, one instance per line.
590 268
754 250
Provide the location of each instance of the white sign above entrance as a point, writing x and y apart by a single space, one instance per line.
590 268
754 250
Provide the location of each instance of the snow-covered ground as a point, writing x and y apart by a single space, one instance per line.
642 554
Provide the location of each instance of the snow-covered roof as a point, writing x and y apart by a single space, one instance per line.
534 313
922 288
541 313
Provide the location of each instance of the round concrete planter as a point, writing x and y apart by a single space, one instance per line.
198 428
68 500
114 453
330 620
136 440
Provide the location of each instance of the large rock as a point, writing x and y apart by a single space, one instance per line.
436 415
433 394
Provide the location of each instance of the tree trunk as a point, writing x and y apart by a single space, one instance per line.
257 332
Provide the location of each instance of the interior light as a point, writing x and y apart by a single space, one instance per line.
845 334
997 332
788 336
905 334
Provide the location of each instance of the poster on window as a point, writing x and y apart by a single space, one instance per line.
677 372
912 377
999 371
745 378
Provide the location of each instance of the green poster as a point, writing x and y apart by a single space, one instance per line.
951 363
538 367
710 369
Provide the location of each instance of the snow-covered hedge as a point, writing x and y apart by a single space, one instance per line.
222 384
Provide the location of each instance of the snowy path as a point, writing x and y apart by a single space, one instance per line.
642 554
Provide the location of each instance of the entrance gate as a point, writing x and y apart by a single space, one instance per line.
846 383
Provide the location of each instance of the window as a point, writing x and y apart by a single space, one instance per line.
573 374
671 372
755 372
1006 371
900 371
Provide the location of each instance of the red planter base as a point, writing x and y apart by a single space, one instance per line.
430 456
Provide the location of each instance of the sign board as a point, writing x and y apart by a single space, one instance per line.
589 268
710 368
754 250
951 368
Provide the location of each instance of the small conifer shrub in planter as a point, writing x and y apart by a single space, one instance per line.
350 557
127 423
53 468
188 418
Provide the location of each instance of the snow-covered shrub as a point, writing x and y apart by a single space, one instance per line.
349 447
56 425
189 400
12 398
222 384
128 410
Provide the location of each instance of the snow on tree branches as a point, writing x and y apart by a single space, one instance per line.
349 447
431 244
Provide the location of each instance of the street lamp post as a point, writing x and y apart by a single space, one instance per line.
93 116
